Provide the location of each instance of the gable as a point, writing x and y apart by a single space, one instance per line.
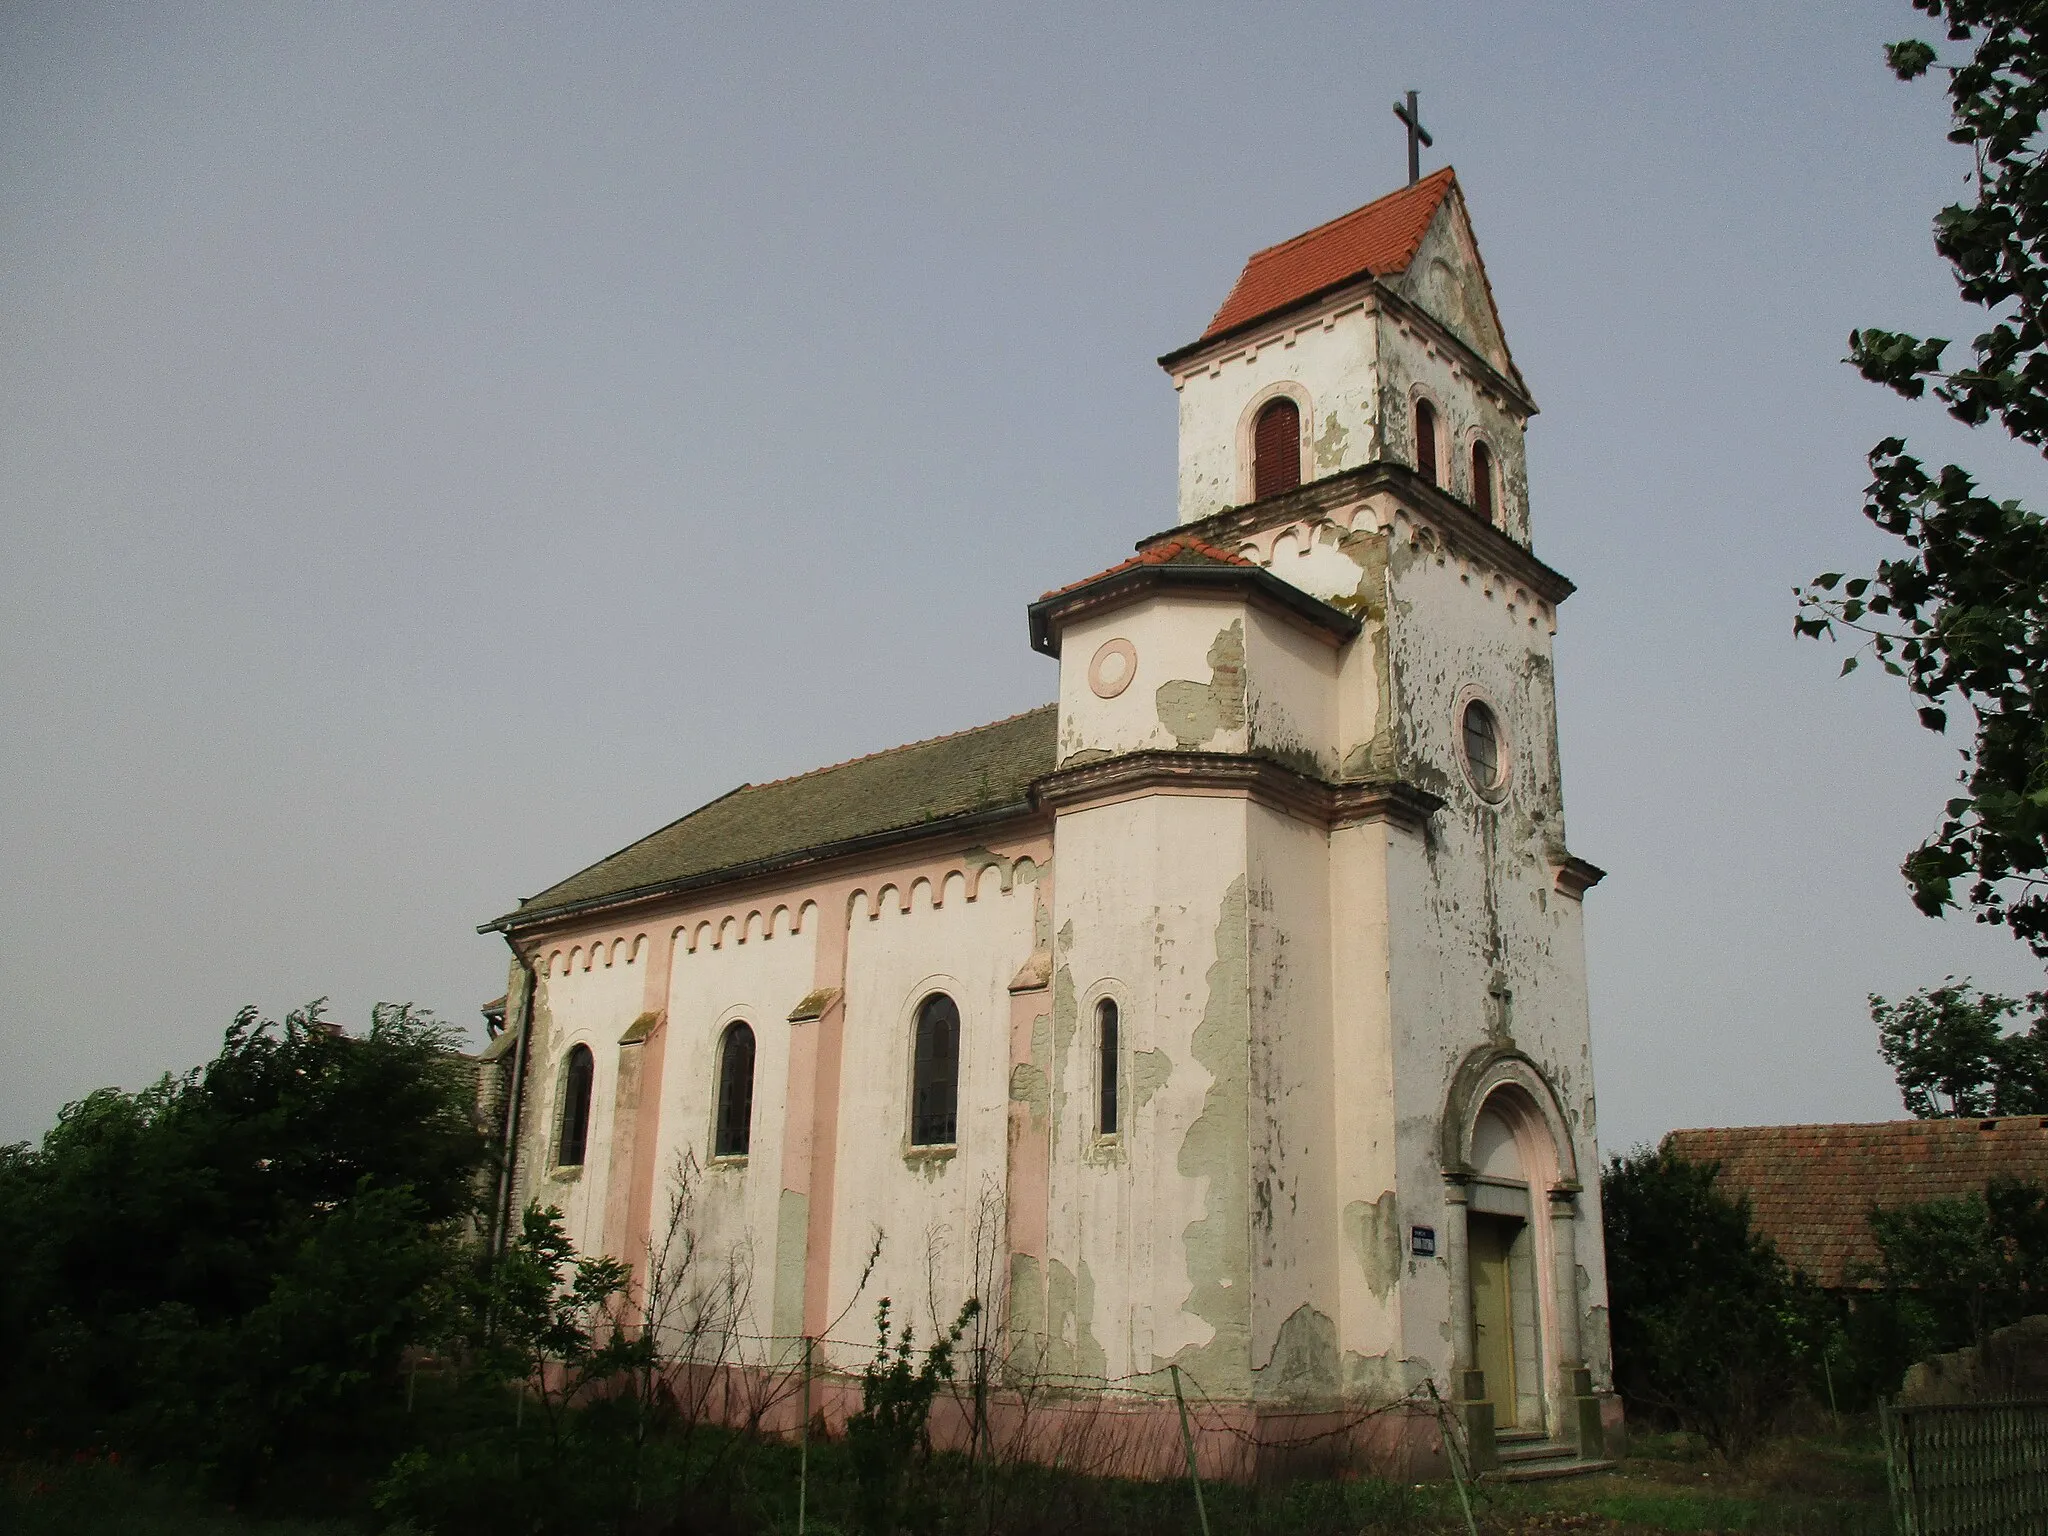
1371 241
1446 279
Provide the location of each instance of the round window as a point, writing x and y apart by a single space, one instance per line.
1485 753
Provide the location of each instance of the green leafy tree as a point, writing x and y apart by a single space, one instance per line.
1962 613
1966 1265
897 1390
1708 1324
228 1267
1953 1055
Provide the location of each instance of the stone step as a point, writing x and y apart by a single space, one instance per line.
1532 1450
1525 1470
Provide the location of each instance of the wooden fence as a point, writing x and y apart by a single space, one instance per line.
1968 1469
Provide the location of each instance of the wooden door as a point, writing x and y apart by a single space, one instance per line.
1493 1317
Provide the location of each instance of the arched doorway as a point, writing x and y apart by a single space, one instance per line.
1512 1174
1503 1269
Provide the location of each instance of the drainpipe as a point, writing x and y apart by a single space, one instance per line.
501 1204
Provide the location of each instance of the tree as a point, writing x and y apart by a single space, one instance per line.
1967 1265
1962 614
227 1267
1707 1320
1952 1055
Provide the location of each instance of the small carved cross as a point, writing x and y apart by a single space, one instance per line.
1411 116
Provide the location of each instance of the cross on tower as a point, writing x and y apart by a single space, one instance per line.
1411 115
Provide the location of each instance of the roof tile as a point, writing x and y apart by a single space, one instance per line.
1375 240
1811 1188
988 768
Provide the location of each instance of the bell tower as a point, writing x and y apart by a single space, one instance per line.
1352 429
1362 325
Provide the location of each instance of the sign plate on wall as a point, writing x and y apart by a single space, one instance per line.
1422 1242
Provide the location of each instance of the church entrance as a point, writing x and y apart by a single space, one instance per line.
1502 1271
1491 1239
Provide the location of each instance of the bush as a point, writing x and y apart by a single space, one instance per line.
1709 1326
227 1268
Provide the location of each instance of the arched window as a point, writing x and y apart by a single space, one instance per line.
577 1072
1107 1059
1276 448
1482 478
1425 441
935 1074
735 1092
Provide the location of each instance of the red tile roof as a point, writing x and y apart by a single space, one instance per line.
1181 549
1377 239
1811 1187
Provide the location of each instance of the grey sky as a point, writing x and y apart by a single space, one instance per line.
439 445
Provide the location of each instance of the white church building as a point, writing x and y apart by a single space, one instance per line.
1227 1013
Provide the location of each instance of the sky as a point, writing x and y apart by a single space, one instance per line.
440 444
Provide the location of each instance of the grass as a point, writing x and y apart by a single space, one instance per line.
89 1497
1792 1487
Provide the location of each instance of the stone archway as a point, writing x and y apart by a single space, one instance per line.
1511 1173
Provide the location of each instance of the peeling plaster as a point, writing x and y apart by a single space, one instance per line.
1149 1073
792 1226
1027 1298
1330 445
1217 1150
1195 713
1305 1363
1071 1348
1373 1232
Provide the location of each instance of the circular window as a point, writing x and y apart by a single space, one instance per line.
1484 748
1110 673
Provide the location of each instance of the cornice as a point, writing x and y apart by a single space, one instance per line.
1461 529
1575 876
1322 801
1119 588
814 863
1376 295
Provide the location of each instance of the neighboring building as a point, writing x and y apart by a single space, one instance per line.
1245 983
1811 1188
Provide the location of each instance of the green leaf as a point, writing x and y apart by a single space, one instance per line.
1909 59
1848 667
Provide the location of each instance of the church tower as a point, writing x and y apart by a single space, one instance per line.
1310 735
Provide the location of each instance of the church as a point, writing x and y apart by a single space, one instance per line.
1221 1024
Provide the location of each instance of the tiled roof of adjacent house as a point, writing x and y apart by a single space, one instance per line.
1375 240
1181 549
761 826
1811 1187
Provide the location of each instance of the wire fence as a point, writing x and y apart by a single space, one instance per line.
805 1353
1968 1469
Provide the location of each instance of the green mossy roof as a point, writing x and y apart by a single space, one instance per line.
899 791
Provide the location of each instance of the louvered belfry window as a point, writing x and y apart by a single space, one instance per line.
1276 449
1482 479
1425 441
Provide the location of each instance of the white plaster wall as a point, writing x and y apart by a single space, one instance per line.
759 981
1377 1277
924 1205
1291 694
1295 1211
1414 362
1174 637
1149 908
1477 909
1325 359
592 1004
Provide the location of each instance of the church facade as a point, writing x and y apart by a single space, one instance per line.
1228 1013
